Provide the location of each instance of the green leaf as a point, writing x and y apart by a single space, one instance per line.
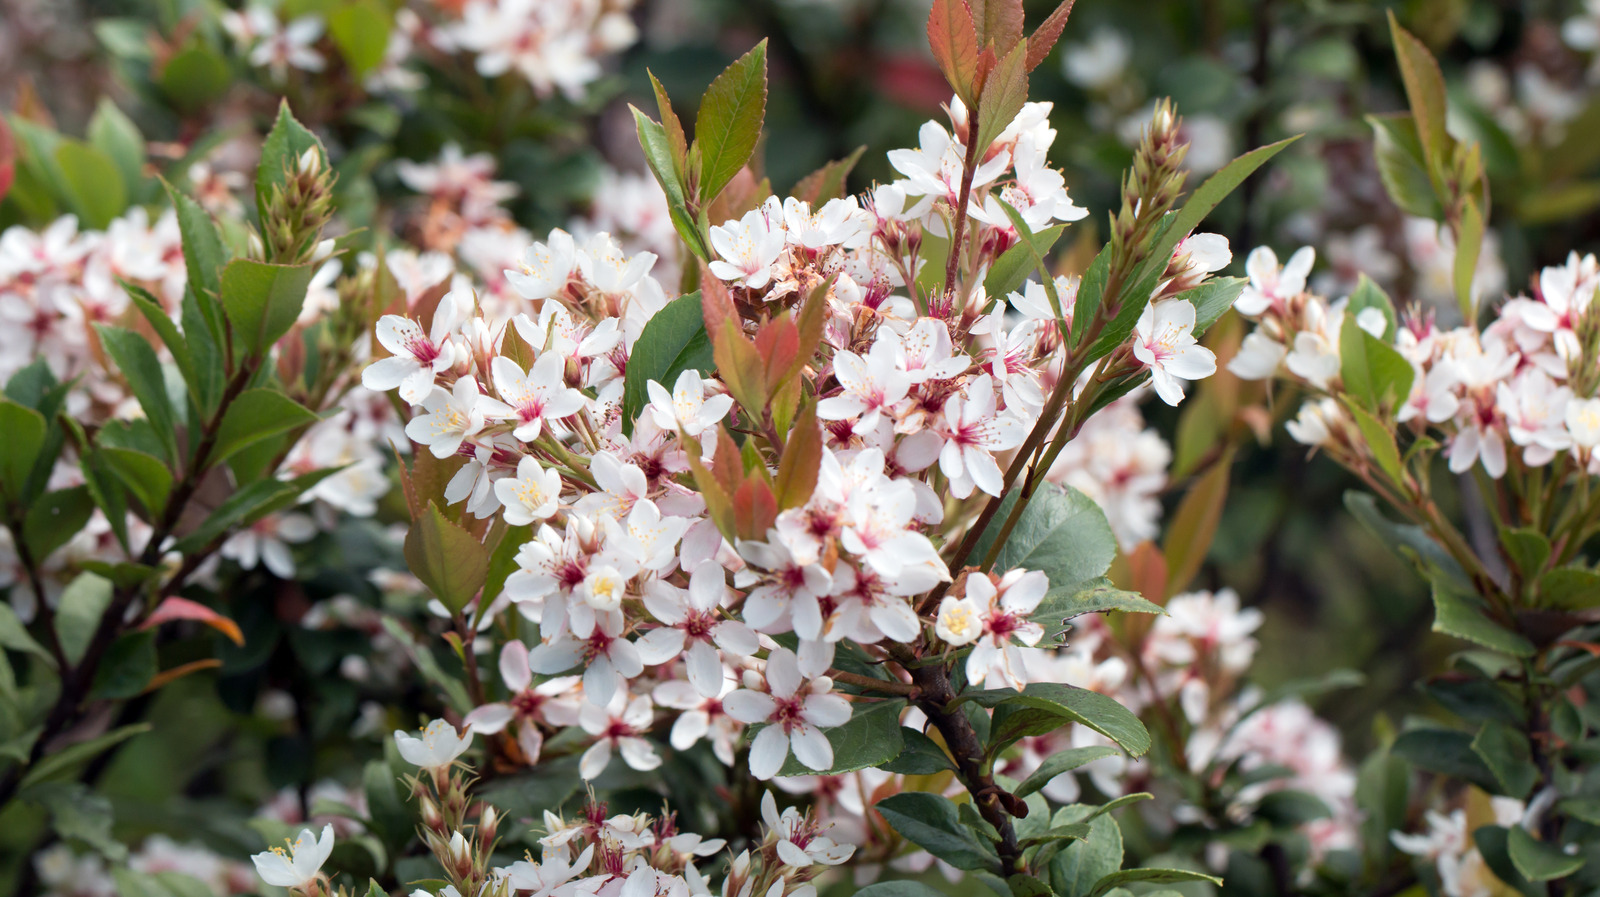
1149 876
14 635
1540 860
1070 704
1082 864
360 30
1465 617
1212 299
1061 762
899 889
204 254
919 756
114 134
1373 372
1379 439
729 122
1446 752
78 814
54 519
1505 752
144 475
1466 263
256 415
1061 532
933 823
136 360
78 613
263 300
1291 808
1204 199
673 341
658 155
1527 548
450 561
164 327
1097 596
1011 269
1369 295
1383 793
1425 90
280 154
1410 542
25 431
59 761
1570 588
92 183
1401 166
195 75
127 668
1005 90
872 737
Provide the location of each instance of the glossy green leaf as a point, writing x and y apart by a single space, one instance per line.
263 300
14 635
729 122
1149 876
1082 864
59 761
1212 299
933 823
1401 166
1570 588
255 415
114 134
672 342
127 668
92 182
1505 752
1465 617
450 561
1446 752
1071 705
1373 372
1061 762
1061 532
919 755
360 30
1540 860
25 432
55 518
136 360
142 474
280 154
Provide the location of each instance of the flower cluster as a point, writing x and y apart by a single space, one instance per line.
647 596
1519 392
556 46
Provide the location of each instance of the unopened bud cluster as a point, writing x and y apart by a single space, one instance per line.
297 210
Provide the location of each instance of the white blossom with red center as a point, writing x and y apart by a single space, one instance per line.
794 711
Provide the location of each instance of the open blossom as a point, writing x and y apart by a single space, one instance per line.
1271 285
451 417
416 359
527 705
691 627
794 713
687 407
537 396
618 726
532 495
973 431
1003 611
438 746
1164 341
872 385
800 842
748 249
300 864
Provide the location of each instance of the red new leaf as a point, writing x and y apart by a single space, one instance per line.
174 608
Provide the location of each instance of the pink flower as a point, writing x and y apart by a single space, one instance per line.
795 713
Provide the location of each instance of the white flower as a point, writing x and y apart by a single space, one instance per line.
1165 342
546 268
618 726
1583 422
973 430
1314 424
1270 286
748 248
534 397
1535 409
452 417
800 842
300 864
439 745
794 716
1258 357
533 494
1005 609
872 385
960 621
691 627
609 660
416 359
687 407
